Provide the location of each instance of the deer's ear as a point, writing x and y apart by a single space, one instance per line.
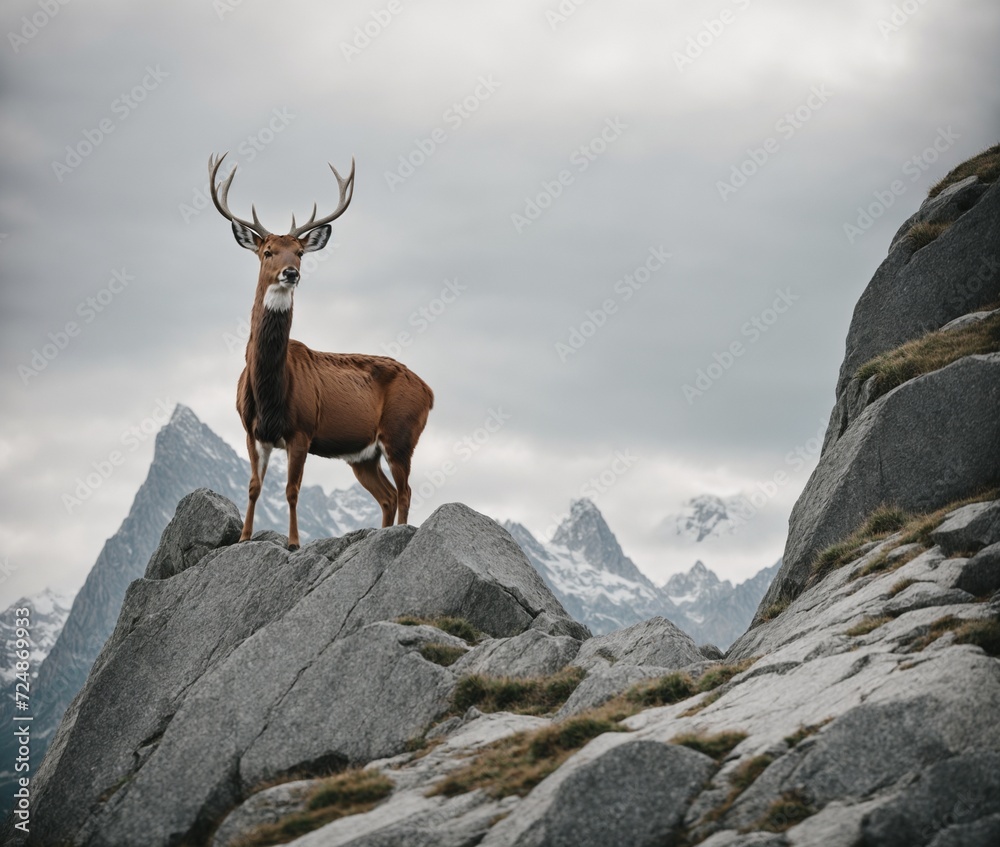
246 237
316 239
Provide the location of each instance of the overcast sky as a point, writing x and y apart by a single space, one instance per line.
563 212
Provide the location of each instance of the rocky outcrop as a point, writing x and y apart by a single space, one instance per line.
236 678
929 441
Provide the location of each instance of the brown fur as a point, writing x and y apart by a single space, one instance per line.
328 404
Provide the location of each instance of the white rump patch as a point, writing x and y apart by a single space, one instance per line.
263 456
370 452
278 298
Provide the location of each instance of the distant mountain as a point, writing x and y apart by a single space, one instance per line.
48 612
707 515
188 455
585 567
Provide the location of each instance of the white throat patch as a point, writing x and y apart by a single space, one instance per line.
278 297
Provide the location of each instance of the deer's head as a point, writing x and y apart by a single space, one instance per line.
280 255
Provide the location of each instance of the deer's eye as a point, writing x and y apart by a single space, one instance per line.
267 254
300 253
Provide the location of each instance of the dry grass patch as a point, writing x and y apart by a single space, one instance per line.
716 746
675 687
459 627
899 586
923 233
350 793
741 779
775 609
516 764
804 731
868 624
984 633
442 654
790 808
985 165
881 523
930 352
529 696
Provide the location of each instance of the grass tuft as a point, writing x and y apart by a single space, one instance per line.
984 634
530 696
459 627
868 624
741 779
804 731
881 523
442 654
516 764
985 165
899 586
664 691
775 609
790 808
716 746
350 793
930 352
923 233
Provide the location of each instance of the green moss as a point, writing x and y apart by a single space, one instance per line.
531 696
716 746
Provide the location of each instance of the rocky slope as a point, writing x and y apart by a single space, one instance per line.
187 455
238 675
935 438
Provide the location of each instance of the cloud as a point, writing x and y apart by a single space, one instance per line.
490 107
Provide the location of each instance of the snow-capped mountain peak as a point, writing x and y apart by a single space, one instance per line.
585 532
706 516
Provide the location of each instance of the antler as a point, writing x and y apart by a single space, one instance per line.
346 194
221 202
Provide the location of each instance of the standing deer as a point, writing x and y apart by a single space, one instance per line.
352 407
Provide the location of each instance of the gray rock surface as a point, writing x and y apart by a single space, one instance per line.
981 576
914 292
949 205
970 528
532 653
257 664
615 791
898 452
203 522
265 807
654 642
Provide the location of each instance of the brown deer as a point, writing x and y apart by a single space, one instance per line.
352 407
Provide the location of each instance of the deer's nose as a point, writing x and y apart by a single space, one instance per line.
290 275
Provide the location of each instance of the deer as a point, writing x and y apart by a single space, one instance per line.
354 407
